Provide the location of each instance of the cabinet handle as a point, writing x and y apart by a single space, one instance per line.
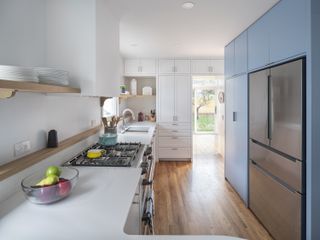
174 149
174 137
234 116
175 131
175 124
209 69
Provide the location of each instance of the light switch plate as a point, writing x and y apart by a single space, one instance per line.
22 148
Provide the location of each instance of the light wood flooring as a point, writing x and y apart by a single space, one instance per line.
194 198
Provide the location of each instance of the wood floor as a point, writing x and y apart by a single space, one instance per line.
194 198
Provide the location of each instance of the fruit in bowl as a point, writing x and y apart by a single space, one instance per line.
51 185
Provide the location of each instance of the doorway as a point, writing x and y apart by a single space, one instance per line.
208 112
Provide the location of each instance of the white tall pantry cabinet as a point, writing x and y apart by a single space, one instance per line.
174 110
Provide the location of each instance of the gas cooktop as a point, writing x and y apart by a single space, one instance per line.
119 155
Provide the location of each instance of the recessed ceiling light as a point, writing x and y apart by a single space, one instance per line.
188 5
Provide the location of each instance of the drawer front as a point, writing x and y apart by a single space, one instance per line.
173 153
278 208
174 133
174 142
286 170
175 126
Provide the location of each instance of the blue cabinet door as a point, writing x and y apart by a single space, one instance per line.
236 155
229 60
258 43
288 29
240 54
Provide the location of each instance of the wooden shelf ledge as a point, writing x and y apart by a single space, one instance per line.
130 96
22 163
36 87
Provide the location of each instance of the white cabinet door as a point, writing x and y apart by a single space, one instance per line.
166 98
182 98
217 67
131 67
148 67
229 60
201 67
288 29
166 66
258 43
240 54
182 66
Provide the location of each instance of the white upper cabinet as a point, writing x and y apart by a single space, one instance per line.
170 66
207 67
278 35
240 54
83 39
166 66
139 67
229 60
288 29
258 43
181 66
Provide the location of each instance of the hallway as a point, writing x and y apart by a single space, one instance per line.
194 198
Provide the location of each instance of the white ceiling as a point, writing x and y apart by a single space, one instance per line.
162 28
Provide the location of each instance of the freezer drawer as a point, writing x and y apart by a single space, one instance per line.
278 208
288 171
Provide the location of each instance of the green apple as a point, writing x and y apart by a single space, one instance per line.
53 170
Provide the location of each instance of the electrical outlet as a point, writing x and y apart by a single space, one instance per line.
21 148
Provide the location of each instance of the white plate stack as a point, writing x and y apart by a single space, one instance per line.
52 76
16 73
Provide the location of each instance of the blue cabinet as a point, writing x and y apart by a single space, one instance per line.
236 155
229 60
240 54
280 34
258 43
288 29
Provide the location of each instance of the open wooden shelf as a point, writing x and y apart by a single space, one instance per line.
22 163
36 87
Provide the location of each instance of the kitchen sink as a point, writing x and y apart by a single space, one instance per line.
136 130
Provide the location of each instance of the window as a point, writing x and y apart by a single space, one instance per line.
111 107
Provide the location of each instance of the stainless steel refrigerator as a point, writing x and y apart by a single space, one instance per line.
277 148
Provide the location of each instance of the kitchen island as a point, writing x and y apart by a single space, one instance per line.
96 209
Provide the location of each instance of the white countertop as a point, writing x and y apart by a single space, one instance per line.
143 138
97 209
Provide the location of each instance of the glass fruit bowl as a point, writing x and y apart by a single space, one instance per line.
49 193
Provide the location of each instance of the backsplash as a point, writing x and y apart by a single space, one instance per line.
29 116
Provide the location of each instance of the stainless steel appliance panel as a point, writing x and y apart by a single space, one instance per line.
278 208
258 103
287 170
286 111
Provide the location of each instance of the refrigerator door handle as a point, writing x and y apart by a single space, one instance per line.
270 107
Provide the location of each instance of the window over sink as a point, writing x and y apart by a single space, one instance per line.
110 107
